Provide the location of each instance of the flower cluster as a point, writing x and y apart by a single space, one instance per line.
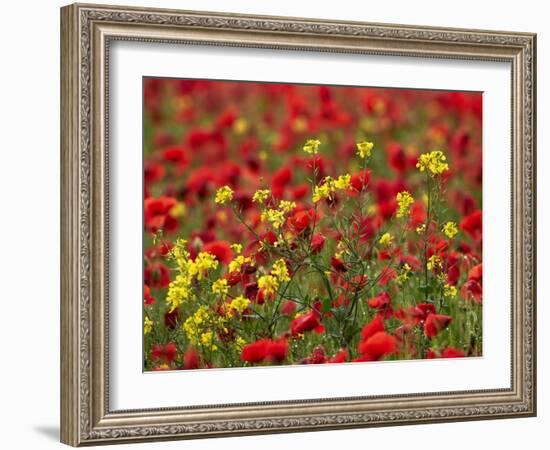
290 224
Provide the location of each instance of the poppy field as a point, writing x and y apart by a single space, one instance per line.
291 224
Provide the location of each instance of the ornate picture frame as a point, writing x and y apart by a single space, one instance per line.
87 32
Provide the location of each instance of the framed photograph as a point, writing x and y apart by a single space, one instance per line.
276 225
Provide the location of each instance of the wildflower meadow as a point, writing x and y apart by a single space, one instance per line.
294 224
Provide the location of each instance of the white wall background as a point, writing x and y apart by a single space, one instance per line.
29 223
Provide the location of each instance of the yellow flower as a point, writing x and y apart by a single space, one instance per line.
202 264
179 290
280 270
449 291
421 228
238 262
274 216
237 248
207 340
404 202
268 283
299 125
224 195
386 240
433 162
434 262
147 325
364 149
261 195
220 287
312 146
285 206
404 275
178 210
343 182
240 342
320 192
450 229
240 126
239 303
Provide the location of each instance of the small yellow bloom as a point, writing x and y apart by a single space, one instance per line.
224 195
240 126
450 229
433 162
320 192
261 195
207 340
220 287
404 202
237 248
240 342
268 283
203 263
312 146
263 155
178 210
434 262
147 325
299 125
364 149
449 291
238 262
273 216
386 240
239 303
404 275
285 206
421 228
343 182
280 270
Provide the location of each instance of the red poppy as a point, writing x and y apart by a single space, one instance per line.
156 275
339 357
317 242
191 359
220 249
378 345
452 352
307 322
374 326
166 353
471 224
435 323
338 265
156 214
148 299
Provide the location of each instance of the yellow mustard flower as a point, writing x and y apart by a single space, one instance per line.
268 283
207 340
275 217
204 262
404 274
280 270
449 291
286 206
237 248
433 162
261 195
147 325
404 203
364 149
434 262
224 195
239 303
178 210
220 287
238 262
421 228
240 126
450 229
343 182
386 240
312 146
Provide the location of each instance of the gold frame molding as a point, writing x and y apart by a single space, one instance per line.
86 32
